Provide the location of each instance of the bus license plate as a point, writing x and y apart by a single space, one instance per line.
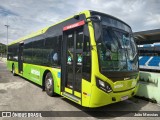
124 98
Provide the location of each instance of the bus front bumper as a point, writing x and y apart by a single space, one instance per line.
101 98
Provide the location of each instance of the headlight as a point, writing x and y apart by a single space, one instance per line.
103 85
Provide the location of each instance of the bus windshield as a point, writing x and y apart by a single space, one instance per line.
117 51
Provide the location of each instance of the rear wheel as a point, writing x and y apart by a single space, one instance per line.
49 86
13 70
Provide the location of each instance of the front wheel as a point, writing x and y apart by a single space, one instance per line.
49 86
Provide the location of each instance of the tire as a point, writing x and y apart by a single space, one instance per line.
13 70
49 86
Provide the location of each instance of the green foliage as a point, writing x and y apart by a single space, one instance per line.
3 48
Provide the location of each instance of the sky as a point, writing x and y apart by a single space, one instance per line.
28 16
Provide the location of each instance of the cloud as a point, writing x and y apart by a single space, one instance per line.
152 20
5 12
27 16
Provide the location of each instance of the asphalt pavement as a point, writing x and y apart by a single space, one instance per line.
18 94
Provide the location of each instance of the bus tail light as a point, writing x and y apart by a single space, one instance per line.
103 85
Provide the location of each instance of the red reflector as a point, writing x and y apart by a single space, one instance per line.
74 25
84 93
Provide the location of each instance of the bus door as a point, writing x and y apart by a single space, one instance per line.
20 58
72 62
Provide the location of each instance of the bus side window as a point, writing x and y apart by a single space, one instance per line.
27 52
37 51
52 51
57 51
79 42
12 52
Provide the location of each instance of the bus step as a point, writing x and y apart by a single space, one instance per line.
72 97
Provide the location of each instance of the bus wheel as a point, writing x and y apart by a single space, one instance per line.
13 70
49 86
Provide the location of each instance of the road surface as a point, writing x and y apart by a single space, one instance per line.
18 94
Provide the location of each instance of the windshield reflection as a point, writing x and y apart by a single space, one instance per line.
117 51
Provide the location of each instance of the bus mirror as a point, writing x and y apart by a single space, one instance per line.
91 47
95 18
76 17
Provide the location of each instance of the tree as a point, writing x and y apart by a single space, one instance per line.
3 49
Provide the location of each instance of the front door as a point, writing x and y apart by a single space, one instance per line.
20 58
72 59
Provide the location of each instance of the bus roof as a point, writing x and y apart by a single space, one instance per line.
42 31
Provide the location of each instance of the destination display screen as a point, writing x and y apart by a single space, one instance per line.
111 21
108 21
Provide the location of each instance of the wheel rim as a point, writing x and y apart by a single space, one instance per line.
13 70
49 84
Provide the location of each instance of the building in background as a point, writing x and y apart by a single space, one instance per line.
149 63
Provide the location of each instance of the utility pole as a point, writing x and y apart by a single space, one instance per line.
7 26
1 51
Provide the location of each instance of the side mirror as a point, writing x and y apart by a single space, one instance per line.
97 25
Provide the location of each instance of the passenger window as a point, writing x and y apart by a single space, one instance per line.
79 43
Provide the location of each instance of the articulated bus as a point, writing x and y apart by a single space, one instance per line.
90 58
